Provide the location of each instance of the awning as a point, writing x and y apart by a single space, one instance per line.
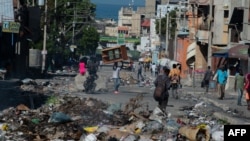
191 50
239 51
221 53
146 23
200 2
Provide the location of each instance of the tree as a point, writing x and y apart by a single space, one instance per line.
89 40
60 20
171 25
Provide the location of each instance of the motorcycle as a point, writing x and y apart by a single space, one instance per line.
90 84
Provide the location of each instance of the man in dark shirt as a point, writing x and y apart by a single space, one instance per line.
207 77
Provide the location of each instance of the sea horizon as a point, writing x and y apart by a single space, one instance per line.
109 11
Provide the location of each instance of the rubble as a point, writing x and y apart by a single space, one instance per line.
73 118
67 117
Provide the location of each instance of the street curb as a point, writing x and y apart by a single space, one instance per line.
230 120
222 115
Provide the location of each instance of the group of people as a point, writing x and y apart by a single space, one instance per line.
241 84
167 78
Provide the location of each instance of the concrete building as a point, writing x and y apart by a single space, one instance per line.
111 31
150 6
129 22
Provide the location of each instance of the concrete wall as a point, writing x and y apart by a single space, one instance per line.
246 27
150 8
136 24
182 45
220 29
111 31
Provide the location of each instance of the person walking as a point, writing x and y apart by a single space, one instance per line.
207 77
163 78
82 68
139 73
153 68
116 77
239 85
100 65
247 89
174 75
133 67
221 80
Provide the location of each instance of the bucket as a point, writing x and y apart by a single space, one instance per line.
35 58
212 84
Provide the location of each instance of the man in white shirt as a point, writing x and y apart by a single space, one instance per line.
153 67
100 65
116 77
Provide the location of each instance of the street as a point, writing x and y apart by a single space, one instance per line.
226 109
193 107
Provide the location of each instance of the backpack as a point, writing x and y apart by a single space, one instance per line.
175 78
160 88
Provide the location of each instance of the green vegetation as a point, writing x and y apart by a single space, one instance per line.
223 121
62 17
89 40
52 100
135 54
171 25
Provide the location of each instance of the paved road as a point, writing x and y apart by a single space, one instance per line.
226 109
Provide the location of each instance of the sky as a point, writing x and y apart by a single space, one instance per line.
122 2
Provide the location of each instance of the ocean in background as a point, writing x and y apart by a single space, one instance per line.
108 11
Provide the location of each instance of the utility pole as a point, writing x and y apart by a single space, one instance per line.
209 50
159 50
167 26
44 52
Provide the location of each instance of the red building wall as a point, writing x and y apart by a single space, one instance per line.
181 55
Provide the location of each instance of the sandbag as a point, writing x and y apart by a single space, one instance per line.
194 133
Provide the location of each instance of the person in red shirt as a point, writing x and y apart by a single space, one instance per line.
82 68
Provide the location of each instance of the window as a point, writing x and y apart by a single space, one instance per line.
226 13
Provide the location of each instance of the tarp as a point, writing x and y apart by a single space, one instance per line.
167 62
239 51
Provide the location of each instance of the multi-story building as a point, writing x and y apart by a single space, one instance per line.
150 6
129 22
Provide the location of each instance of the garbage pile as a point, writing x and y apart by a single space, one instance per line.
89 119
130 78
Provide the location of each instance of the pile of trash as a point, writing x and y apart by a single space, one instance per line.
130 78
89 119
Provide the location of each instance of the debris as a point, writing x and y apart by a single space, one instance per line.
59 117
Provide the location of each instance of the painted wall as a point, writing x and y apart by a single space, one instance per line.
181 55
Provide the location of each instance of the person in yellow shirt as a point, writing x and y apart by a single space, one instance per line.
174 76
175 72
